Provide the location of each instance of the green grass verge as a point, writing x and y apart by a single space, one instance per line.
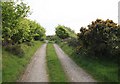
55 70
13 66
103 71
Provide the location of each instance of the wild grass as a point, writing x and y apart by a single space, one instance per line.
101 70
13 66
55 70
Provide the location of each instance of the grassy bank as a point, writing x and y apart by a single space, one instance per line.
13 66
56 73
99 69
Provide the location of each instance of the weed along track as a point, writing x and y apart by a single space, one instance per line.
55 70
36 70
73 71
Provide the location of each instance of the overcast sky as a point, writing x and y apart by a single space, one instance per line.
71 13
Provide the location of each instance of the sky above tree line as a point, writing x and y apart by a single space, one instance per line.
71 13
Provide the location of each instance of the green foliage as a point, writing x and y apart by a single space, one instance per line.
23 32
16 27
61 32
65 34
39 33
100 39
51 38
57 39
11 13
71 32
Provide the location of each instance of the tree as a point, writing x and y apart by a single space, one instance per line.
16 27
37 31
61 32
23 33
11 15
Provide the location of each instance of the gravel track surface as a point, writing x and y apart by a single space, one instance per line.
36 70
72 70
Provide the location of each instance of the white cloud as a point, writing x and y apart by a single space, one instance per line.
72 13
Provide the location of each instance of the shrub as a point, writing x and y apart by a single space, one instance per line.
29 43
16 50
73 42
101 39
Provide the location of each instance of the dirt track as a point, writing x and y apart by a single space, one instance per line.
73 71
36 70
